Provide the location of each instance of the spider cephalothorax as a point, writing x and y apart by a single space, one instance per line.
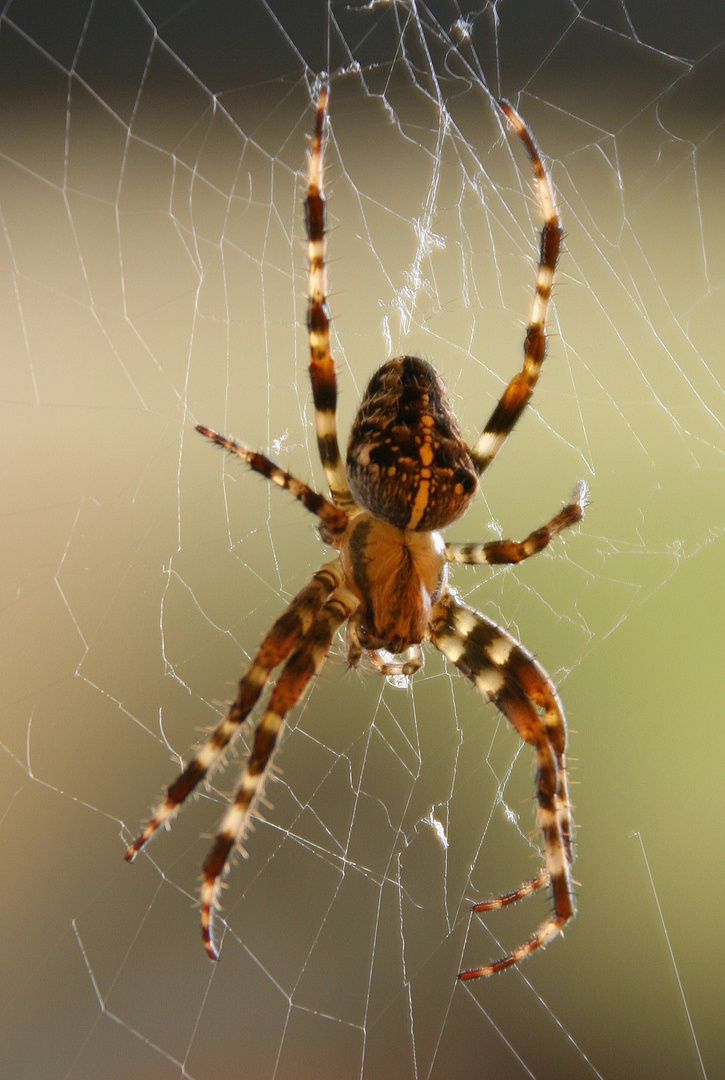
396 576
409 473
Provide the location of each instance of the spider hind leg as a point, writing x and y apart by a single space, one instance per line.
516 396
322 366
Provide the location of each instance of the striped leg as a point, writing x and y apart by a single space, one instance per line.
331 516
322 367
514 551
516 395
288 630
292 683
501 669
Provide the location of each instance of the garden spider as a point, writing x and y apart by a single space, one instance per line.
408 474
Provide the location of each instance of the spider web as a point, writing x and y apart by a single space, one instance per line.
151 179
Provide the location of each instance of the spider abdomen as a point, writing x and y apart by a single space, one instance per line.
406 461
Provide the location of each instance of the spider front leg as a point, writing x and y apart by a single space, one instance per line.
277 645
501 669
275 648
295 678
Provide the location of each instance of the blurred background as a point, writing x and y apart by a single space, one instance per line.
153 276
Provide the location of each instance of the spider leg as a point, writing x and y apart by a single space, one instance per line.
501 669
515 397
334 518
287 631
322 367
514 551
297 674
529 887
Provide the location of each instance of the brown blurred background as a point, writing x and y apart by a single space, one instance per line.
153 277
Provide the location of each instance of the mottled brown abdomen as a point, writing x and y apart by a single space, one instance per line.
406 461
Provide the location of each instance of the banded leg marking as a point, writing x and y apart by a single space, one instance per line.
516 396
297 674
322 368
529 887
513 551
332 516
291 626
502 670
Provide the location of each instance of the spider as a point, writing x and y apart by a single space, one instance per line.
408 475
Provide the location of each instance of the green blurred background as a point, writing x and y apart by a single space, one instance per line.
153 277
